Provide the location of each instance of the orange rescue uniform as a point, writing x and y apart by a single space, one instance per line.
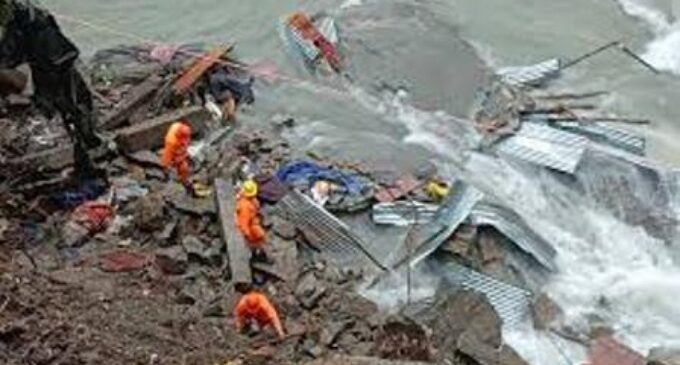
255 306
248 221
175 153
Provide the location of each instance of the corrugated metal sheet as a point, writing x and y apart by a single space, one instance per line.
297 43
510 302
450 215
544 146
533 75
514 227
605 134
403 213
326 232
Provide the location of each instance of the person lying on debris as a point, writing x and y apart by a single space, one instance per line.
254 309
30 34
248 218
176 154
230 91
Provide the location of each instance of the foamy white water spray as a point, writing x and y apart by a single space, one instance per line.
609 272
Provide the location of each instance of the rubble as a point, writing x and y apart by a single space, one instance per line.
172 260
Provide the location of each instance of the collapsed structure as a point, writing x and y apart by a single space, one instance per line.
148 273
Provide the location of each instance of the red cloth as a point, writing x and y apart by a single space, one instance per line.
123 261
94 216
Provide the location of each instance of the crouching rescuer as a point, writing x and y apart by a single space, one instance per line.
255 309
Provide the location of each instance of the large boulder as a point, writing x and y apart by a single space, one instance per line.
465 325
664 356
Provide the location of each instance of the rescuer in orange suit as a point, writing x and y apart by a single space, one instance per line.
255 308
248 217
175 153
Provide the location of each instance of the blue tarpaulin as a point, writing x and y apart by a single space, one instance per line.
89 190
306 172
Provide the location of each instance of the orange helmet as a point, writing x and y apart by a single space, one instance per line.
184 131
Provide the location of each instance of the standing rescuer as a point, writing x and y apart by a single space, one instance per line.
254 307
175 153
248 217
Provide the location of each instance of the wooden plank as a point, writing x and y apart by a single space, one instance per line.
205 62
136 98
238 252
150 135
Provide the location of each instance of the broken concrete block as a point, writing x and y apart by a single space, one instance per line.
194 247
283 228
545 312
664 356
309 291
146 158
172 260
239 254
149 213
135 99
150 135
331 332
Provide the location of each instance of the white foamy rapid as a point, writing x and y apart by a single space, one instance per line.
609 272
664 51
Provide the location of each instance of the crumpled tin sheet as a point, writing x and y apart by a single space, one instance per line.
533 75
296 43
605 134
454 210
513 227
326 232
545 146
510 302
403 213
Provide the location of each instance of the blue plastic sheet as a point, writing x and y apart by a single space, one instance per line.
305 172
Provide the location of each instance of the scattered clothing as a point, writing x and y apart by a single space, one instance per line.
175 154
271 188
163 54
308 173
94 216
256 307
225 85
88 190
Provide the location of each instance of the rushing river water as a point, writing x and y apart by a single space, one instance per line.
439 52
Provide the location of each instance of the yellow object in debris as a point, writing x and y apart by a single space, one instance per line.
201 190
437 190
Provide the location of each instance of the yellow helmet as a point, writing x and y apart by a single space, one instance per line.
249 189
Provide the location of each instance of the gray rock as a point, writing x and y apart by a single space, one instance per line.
284 229
664 356
331 332
150 215
312 349
172 260
194 247
545 312
309 291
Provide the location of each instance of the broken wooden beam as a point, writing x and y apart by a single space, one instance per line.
135 99
203 64
238 252
150 135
